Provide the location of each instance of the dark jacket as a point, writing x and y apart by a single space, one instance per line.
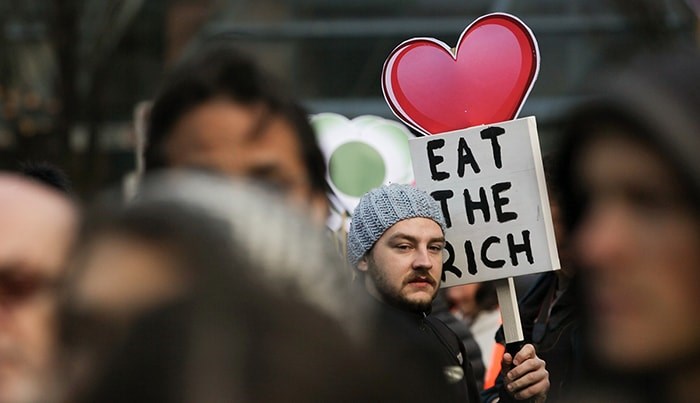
442 312
422 338
556 338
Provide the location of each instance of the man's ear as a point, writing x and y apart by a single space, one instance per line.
362 264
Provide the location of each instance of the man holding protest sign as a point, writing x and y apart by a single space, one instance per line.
396 241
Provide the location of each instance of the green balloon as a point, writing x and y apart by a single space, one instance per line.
356 167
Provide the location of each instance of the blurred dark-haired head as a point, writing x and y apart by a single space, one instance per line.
654 100
219 110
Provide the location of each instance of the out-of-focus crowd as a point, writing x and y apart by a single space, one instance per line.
218 282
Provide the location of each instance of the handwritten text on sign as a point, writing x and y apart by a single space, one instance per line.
490 184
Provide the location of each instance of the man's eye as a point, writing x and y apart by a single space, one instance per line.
403 246
437 248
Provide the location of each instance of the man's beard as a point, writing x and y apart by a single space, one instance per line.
392 296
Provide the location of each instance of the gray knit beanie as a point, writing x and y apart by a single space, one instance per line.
383 207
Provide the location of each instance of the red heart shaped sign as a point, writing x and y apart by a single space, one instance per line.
486 80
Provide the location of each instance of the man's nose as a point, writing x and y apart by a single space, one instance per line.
422 259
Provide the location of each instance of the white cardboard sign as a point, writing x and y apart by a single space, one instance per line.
490 183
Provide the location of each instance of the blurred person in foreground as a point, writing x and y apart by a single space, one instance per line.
166 305
396 242
37 226
630 181
550 311
219 111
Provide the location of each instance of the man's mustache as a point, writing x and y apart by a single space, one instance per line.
420 277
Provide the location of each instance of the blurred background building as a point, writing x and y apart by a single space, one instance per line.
72 72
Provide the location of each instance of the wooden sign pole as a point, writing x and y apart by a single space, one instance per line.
510 314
